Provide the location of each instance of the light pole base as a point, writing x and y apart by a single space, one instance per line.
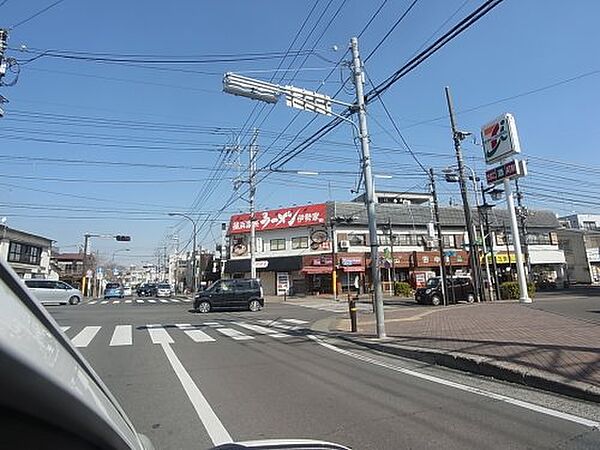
525 300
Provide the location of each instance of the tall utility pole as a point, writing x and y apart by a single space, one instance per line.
438 225
86 246
333 250
522 213
252 183
360 107
458 136
491 241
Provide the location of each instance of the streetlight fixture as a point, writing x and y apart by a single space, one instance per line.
322 104
185 216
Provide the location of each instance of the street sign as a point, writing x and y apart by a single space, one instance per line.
500 139
513 169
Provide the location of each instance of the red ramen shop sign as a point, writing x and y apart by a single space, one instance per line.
298 216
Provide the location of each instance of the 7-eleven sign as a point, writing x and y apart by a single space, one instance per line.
500 139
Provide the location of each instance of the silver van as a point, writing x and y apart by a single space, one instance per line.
51 291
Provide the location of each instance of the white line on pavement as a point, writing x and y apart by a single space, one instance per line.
462 387
64 328
85 336
262 330
139 301
151 300
295 321
215 429
212 324
104 302
127 301
174 300
195 334
275 323
159 335
121 336
93 302
162 300
234 334
116 302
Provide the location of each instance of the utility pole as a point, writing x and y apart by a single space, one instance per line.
458 136
86 243
251 181
523 213
333 250
360 107
438 225
223 248
490 237
389 227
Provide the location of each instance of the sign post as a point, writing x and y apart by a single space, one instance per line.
501 141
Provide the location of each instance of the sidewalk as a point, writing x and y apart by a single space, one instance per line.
502 339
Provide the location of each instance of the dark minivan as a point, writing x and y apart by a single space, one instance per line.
459 289
231 294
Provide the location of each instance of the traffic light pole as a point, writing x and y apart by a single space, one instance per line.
438 225
369 188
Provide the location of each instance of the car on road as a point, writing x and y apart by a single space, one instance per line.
231 294
113 290
163 290
52 291
127 291
459 289
146 290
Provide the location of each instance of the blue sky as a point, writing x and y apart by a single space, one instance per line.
163 131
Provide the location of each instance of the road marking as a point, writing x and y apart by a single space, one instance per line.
162 300
295 321
64 328
85 336
159 335
93 302
262 330
116 302
151 300
275 323
104 302
462 387
195 334
187 300
127 301
174 300
215 429
234 334
212 324
121 336
139 301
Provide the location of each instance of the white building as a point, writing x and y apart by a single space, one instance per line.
28 254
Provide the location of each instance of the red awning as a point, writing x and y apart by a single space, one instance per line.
316 270
353 268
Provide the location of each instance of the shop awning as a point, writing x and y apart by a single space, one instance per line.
316 270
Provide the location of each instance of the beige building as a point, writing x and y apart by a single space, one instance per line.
28 254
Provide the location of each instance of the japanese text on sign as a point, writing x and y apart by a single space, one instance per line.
299 216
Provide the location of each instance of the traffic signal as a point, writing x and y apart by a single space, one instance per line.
122 238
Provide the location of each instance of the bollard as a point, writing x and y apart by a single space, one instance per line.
352 309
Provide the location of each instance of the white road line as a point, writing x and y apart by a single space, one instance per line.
174 300
262 330
151 300
159 335
187 300
215 429
295 321
194 334
85 336
162 300
104 302
127 301
212 324
274 323
234 334
64 328
462 387
116 302
139 301
93 302
121 336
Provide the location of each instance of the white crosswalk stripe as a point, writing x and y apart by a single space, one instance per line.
162 300
276 323
195 334
85 336
116 302
234 334
159 335
139 300
295 321
121 336
93 302
127 301
174 300
262 330
104 302
151 300
212 324
65 328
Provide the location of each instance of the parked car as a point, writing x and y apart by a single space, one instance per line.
146 290
231 294
127 291
459 289
113 290
51 291
163 290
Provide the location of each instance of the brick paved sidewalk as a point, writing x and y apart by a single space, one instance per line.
533 340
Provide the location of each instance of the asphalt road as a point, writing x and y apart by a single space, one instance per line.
189 381
581 303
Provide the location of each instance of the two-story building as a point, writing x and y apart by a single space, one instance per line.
580 240
70 267
27 253
300 247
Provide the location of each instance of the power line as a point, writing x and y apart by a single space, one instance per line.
33 16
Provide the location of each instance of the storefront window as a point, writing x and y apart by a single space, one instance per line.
299 242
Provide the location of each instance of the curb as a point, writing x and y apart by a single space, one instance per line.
481 365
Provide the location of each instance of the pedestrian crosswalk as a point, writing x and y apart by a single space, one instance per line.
137 301
124 335
333 306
